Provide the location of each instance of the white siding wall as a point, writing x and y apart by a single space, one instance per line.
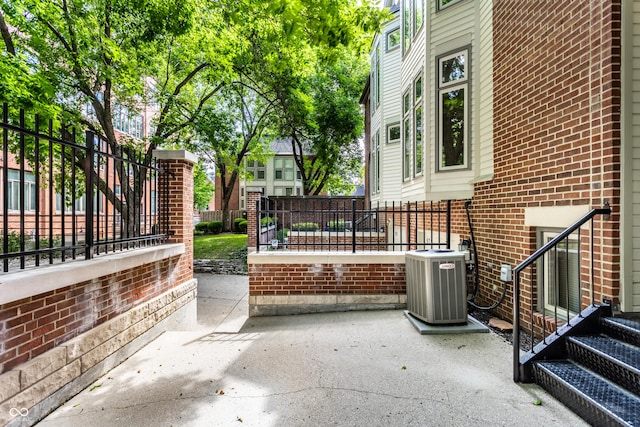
483 109
630 295
451 29
376 116
412 64
391 96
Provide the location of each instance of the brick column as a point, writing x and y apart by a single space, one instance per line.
179 167
253 196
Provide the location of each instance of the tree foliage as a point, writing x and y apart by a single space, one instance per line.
270 65
202 188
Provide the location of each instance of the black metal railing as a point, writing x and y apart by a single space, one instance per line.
65 197
556 265
348 224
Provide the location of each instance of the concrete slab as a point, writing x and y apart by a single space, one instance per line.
343 369
473 326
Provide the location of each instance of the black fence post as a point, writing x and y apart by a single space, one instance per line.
88 252
448 224
5 193
258 224
353 225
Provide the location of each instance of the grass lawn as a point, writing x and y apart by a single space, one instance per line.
219 246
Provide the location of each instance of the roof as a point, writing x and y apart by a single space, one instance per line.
283 146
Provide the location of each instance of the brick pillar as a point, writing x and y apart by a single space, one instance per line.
179 167
253 196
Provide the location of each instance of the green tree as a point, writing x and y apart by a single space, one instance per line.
202 188
176 56
231 131
107 54
326 125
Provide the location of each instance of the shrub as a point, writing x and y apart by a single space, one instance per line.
282 234
202 226
240 225
215 227
305 226
14 241
267 220
198 232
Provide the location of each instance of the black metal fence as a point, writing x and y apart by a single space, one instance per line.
65 197
350 224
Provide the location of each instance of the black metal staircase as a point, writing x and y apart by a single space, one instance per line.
599 377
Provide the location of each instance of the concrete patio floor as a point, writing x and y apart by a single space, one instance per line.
344 369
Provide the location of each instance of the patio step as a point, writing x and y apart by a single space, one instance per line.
600 377
627 330
615 360
593 397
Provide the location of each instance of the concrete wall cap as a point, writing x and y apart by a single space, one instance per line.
175 155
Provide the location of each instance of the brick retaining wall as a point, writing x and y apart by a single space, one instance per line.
291 283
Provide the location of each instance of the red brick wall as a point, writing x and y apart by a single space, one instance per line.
556 128
252 198
31 326
181 213
34 325
319 279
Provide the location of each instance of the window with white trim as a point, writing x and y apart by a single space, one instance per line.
443 4
393 39
412 21
283 169
560 274
375 79
256 169
394 133
374 163
406 136
417 126
14 189
453 106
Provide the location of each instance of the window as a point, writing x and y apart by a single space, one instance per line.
393 133
79 206
116 190
375 79
374 164
412 20
393 39
453 83
406 144
256 169
418 15
417 130
406 27
127 121
561 274
28 186
442 4
283 169
153 199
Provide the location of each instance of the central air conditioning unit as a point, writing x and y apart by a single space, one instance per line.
437 286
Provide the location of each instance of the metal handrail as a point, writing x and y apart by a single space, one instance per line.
606 211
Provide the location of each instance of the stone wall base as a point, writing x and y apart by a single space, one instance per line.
280 305
42 384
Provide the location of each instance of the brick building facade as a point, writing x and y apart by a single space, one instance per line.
549 132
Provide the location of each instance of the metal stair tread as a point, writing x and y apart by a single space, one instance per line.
622 322
606 394
612 349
